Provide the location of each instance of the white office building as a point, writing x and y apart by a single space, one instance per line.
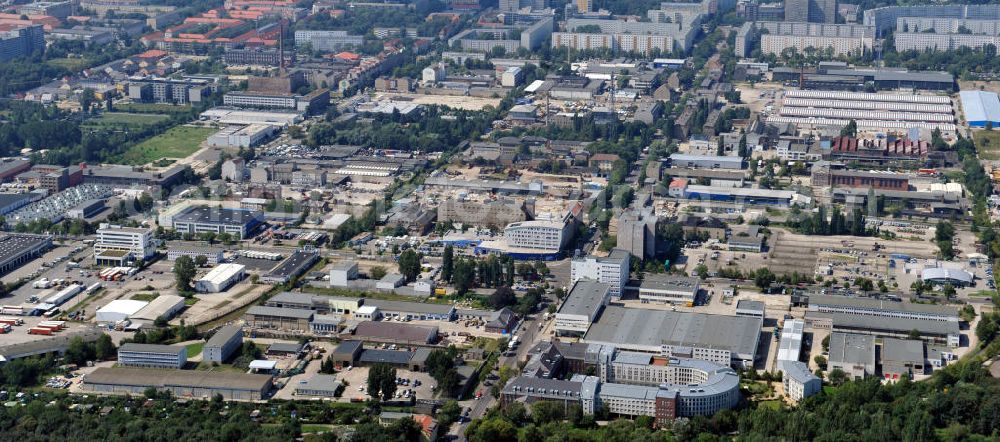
222 344
152 355
669 289
537 234
612 270
799 382
134 242
220 278
343 272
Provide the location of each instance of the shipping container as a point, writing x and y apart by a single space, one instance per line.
39 331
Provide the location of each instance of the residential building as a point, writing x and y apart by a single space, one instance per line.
223 344
169 90
816 11
152 355
843 39
19 41
583 304
252 57
327 41
612 270
852 353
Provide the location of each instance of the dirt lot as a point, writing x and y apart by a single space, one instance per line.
453 101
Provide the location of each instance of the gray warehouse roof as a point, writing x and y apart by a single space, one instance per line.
410 307
585 298
372 356
888 324
216 215
180 378
852 348
669 283
151 348
645 329
260 310
223 336
902 350
395 331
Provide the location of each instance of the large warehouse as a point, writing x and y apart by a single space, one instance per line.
730 340
871 111
220 278
181 383
980 108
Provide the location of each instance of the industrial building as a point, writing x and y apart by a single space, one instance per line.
980 108
837 108
749 308
741 196
119 310
612 270
213 256
412 310
192 384
881 308
320 385
706 161
342 272
247 136
198 219
790 344
223 344
292 267
55 345
19 249
671 289
854 354
898 357
394 333
119 246
942 275
729 340
584 303
152 355
278 318
220 278
163 306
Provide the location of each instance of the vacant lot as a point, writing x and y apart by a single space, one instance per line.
153 108
126 119
988 144
177 142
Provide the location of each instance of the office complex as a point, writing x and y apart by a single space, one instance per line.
152 355
199 219
312 102
538 234
168 90
612 270
117 245
223 344
670 289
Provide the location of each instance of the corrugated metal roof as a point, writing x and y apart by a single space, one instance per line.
980 106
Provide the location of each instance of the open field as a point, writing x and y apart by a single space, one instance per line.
152 108
987 144
126 119
177 142
72 64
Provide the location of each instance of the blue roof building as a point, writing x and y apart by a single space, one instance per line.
980 107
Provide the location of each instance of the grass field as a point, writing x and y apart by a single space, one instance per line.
177 142
194 349
987 144
774 405
72 64
127 119
153 108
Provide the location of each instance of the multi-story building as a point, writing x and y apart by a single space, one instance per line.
816 11
637 233
799 382
824 174
169 90
252 57
315 101
223 344
612 270
885 18
510 38
630 36
123 244
538 234
327 41
19 41
152 355
924 41
841 39
582 306
483 213
198 219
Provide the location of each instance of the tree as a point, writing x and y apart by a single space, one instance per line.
201 260
464 277
377 272
502 297
850 130
409 264
382 381
837 377
763 278
701 271
447 263
820 361
184 270
544 412
104 348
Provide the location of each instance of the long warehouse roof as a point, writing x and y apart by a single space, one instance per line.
868 96
980 106
642 329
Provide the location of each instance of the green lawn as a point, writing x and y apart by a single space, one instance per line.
316 428
145 296
194 349
71 64
125 118
178 142
774 405
153 108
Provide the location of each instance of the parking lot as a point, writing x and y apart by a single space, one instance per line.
357 381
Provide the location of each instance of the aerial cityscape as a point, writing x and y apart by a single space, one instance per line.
499 220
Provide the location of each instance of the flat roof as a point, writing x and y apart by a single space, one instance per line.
347 348
585 298
285 347
749 304
395 331
410 307
159 306
260 310
223 336
14 245
319 382
852 348
294 264
673 283
980 106
880 304
216 215
888 324
178 378
646 329
57 343
151 348
902 350
222 272
373 356
126 307
8 199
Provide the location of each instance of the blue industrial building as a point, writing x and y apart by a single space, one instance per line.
981 108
